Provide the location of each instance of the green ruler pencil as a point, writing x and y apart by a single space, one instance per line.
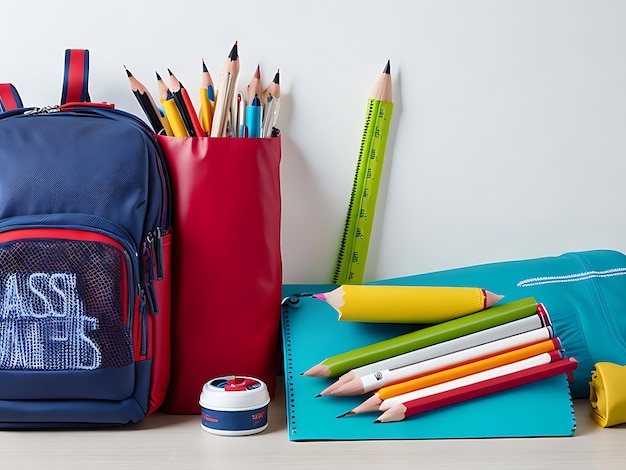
359 220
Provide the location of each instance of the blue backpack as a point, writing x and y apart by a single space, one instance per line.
85 241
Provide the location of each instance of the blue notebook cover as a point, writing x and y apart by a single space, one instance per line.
312 332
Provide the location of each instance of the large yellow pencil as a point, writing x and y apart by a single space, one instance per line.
407 304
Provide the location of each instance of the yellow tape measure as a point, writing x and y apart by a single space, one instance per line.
359 220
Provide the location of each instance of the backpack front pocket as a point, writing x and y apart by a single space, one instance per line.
66 303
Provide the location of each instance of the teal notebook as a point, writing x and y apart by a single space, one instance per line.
312 332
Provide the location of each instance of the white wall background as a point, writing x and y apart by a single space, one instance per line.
508 137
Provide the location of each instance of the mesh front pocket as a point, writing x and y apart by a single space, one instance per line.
63 303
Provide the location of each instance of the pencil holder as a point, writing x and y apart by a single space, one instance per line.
226 264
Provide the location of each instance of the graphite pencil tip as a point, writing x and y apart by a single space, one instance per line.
158 77
128 72
388 67
204 67
347 413
277 77
234 52
377 421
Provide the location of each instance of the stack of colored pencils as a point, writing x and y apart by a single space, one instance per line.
467 356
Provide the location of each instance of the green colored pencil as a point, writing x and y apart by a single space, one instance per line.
494 316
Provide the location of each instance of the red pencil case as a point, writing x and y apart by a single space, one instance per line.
226 264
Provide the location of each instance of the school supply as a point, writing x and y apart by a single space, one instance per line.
583 292
349 359
145 100
172 116
608 394
85 243
227 262
271 105
495 333
311 330
225 93
444 375
404 410
407 304
544 358
354 244
380 378
207 99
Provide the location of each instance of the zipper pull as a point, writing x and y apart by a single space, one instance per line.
149 273
158 255
143 346
148 249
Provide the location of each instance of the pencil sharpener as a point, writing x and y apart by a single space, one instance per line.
234 405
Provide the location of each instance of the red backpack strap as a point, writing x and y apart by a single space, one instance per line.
76 76
9 97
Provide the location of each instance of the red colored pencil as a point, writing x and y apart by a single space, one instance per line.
420 405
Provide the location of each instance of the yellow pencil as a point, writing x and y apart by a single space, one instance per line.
406 304
171 111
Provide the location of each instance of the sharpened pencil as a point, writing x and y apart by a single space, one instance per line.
543 358
185 107
373 403
341 363
207 99
518 378
225 93
271 105
505 330
407 304
255 87
147 103
169 107
376 380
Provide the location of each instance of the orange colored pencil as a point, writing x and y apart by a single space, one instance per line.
373 403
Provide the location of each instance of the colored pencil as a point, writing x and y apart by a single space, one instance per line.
225 93
543 358
497 315
507 381
373 403
376 380
255 87
271 105
207 99
505 330
143 96
406 304
169 107
185 107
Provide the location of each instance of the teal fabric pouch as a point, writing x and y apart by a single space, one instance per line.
584 293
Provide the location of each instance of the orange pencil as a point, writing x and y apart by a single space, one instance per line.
373 403
403 410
